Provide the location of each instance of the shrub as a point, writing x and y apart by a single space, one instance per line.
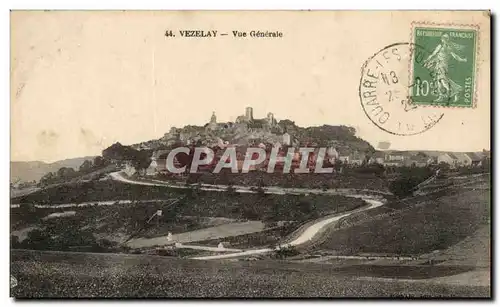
231 190
403 187
14 241
38 239
285 252
408 180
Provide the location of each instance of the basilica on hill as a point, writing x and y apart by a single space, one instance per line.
246 123
246 130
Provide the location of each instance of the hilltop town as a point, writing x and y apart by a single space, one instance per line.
246 131
343 144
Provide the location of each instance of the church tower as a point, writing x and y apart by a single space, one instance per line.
270 119
249 113
213 119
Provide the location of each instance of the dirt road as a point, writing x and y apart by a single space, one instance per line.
307 235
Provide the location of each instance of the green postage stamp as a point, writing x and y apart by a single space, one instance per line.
445 73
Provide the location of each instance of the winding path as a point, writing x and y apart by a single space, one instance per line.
118 176
306 236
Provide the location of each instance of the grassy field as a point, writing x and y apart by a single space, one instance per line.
196 202
413 227
194 210
474 250
42 274
269 237
217 233
94 191
351 178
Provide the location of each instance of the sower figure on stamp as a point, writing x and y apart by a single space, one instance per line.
438 63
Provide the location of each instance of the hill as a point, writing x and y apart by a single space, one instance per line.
34 170
341 137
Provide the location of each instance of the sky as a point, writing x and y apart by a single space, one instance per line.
81 81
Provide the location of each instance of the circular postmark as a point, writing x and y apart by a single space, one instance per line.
385 91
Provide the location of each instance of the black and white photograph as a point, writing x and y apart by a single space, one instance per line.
250 154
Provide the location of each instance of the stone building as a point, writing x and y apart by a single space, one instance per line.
245 123
287 139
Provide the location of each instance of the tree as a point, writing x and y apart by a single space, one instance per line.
409 179
444 166
286 122
375 169
231 190
141 160
66 172
259 190
86 166
338 165
14 241
285 251
486 164
191 193
38 239
421 155
305 207
76 237
27 208
193 178
403 187
99 162
47 178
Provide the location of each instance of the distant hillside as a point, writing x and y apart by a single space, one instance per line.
434 153
34 170
342 137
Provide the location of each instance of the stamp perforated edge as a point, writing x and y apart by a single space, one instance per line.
476 57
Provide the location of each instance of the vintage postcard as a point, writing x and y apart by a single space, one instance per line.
261 154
